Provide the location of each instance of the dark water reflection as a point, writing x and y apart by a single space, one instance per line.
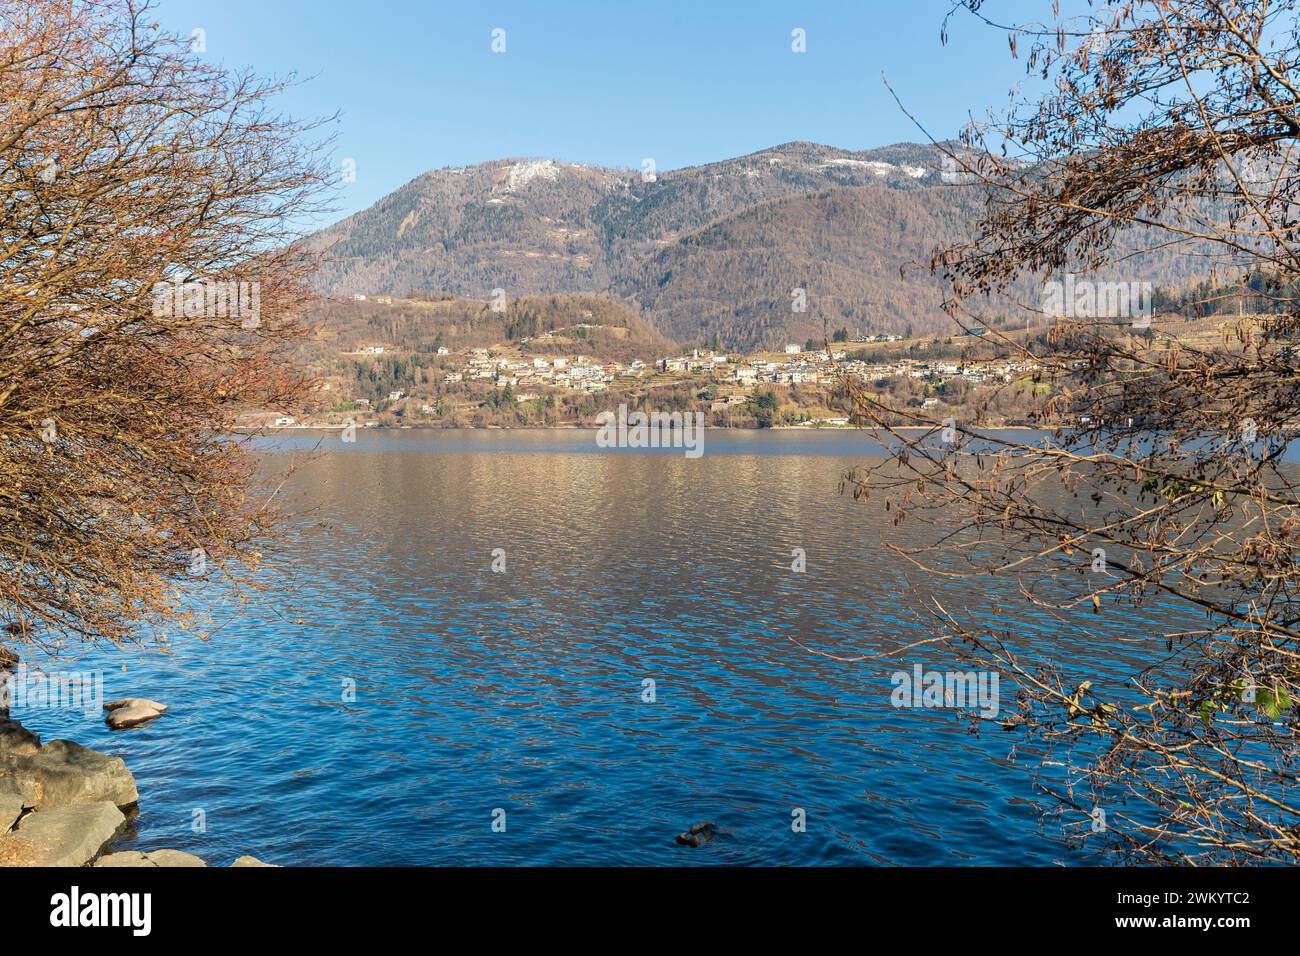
522 690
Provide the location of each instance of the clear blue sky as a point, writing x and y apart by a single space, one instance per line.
610 82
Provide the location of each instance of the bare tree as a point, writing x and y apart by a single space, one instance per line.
1170 126
150 283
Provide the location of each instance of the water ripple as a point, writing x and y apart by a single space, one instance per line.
523 690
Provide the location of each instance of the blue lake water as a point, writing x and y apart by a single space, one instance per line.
522 691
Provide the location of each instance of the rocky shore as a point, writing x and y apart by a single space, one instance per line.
62 804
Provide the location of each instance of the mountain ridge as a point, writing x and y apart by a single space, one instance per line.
713 252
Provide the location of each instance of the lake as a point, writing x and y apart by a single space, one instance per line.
388 696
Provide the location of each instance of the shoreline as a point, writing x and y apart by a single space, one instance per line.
65 805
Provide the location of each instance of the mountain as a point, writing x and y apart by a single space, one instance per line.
705 253
520 226
860 255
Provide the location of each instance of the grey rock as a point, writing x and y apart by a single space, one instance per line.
123 858
11 808
17 739
63 773
131 716
252 861
62 836
21 788
698 835
173 858
152 858
136 702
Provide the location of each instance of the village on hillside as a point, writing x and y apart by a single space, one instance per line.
544 380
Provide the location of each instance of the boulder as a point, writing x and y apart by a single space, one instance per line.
136 702
698 835
123 858
20 788
173 858
152 858
63 773
11 808
124 717
132 712
17 739
62 836
252 861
